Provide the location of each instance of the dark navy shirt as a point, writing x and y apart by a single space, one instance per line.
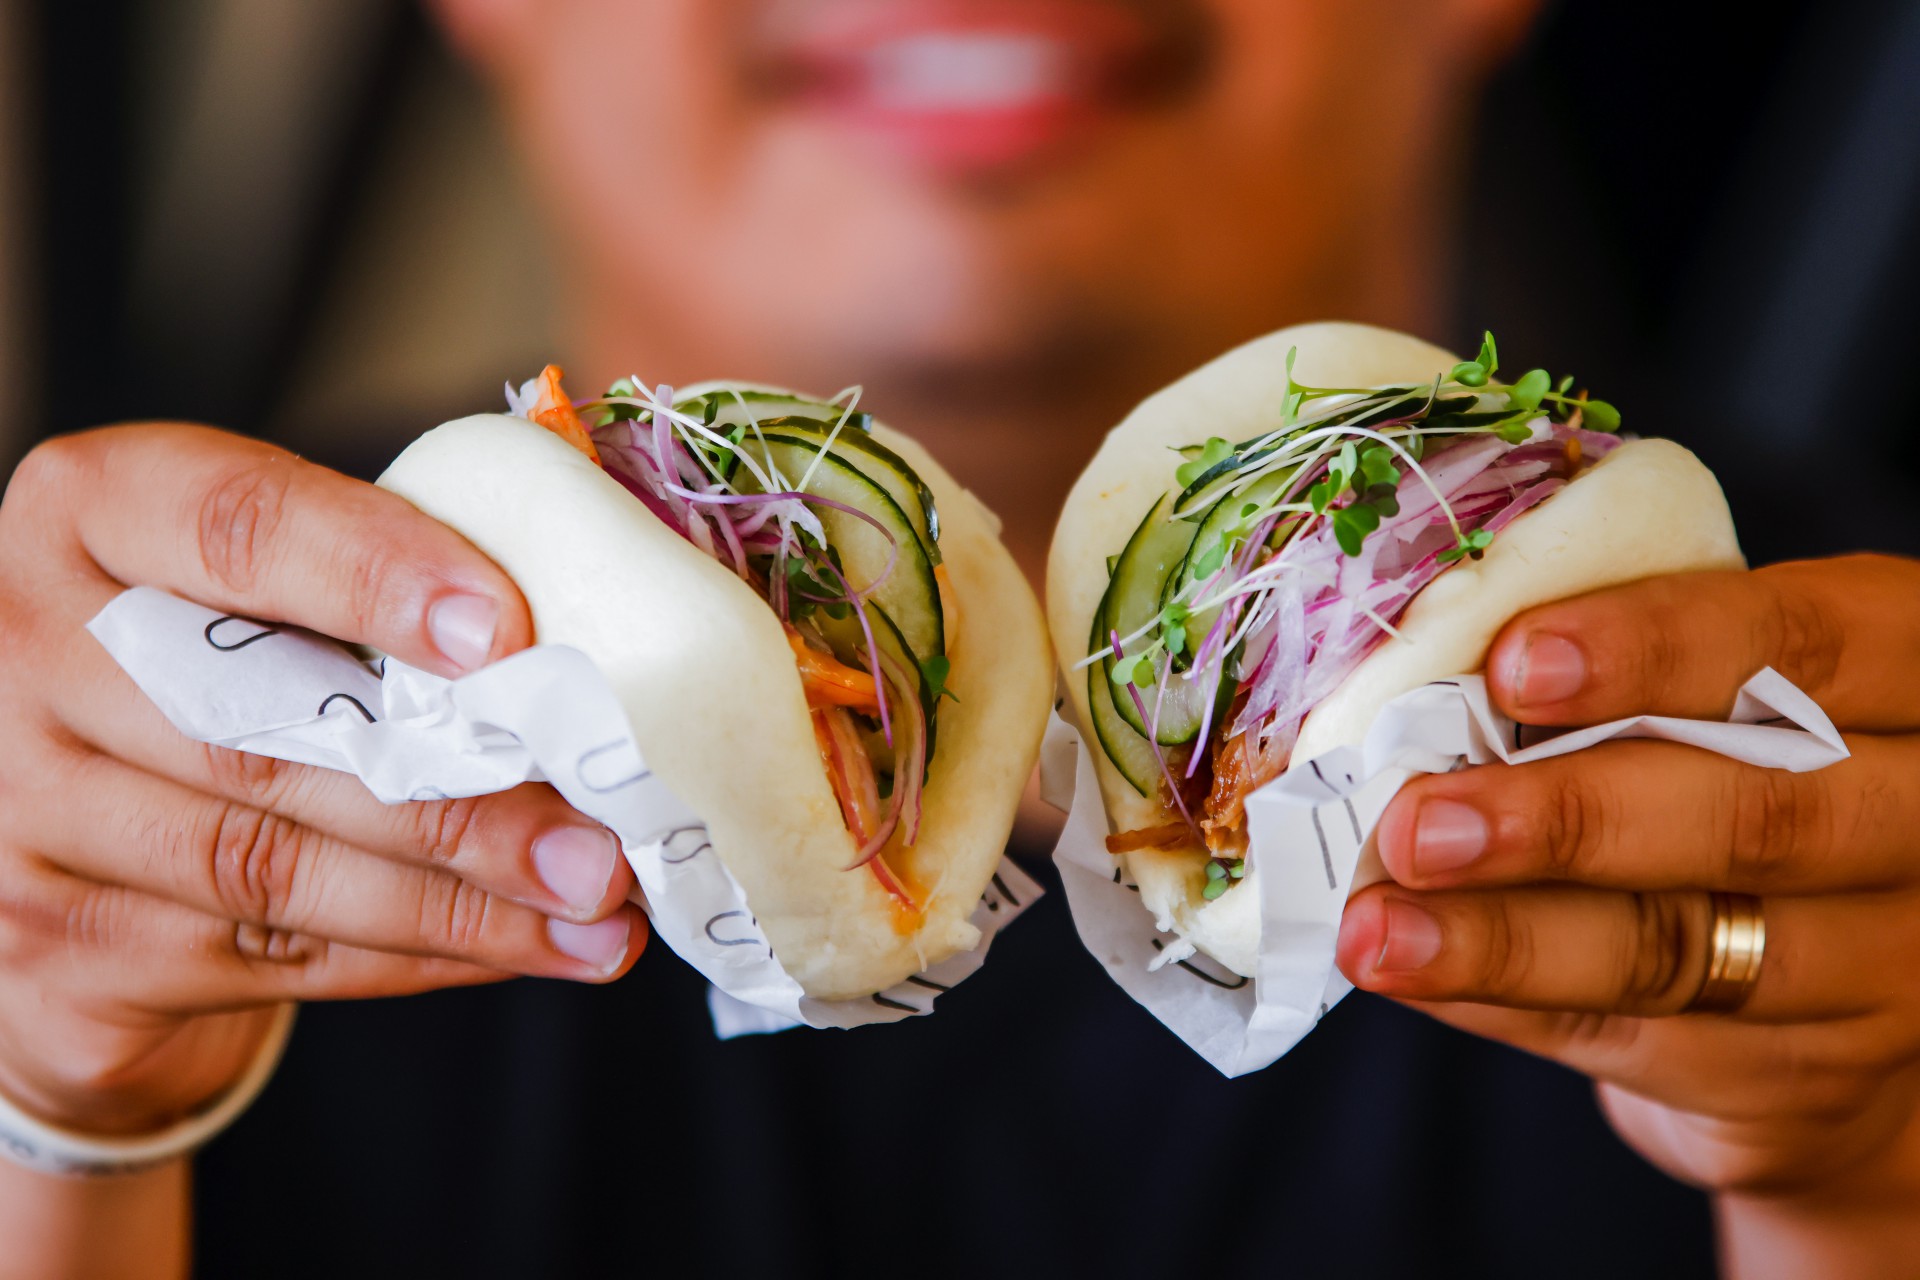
544 1129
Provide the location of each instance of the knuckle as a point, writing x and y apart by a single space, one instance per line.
268 945
1662 943
253 861
1576 820
240 517
92 919
448 828
456 918
1803 638
371 572
1774 819
1508 955
243 775
1664 660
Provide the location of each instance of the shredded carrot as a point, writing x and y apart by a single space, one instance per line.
1149 837
830 682
556 413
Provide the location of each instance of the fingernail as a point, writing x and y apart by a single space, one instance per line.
462 628
576 864
600 945
1447 835
1550 669
1413 938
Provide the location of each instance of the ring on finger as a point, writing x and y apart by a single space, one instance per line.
1737 944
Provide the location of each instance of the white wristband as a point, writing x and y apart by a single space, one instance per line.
44 1148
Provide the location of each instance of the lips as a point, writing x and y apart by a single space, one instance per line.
965 85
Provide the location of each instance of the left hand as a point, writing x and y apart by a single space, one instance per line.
1561 906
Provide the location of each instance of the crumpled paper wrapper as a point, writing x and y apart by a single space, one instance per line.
544 714
1310 836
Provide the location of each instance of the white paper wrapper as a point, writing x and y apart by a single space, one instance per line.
1309 834
543 714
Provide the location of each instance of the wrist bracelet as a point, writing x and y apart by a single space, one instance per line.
46 1148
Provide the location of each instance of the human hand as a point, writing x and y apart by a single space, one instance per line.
1560 906
157 896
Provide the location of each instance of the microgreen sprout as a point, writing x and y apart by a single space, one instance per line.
1363 495
936 670
1216 452
1471 545
1221 876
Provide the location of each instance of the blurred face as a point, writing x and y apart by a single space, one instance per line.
958 199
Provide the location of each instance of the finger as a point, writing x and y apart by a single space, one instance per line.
526 844
1844 630
1657 815
1793 1144
1731 1071
1640 954
241 525
238 863
111 944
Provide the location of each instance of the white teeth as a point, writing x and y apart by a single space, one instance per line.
966 71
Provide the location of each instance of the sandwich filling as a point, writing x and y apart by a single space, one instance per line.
1270 570
835 532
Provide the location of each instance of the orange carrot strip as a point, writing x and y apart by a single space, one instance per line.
830 682
556 413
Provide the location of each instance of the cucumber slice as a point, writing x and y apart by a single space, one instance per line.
733 414
1211 527
910 595
1151 556
1129 750
877 463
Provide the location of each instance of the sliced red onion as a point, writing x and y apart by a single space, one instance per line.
909 770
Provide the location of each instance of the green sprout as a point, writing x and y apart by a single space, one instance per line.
1221 875
1216 452
935 671
1472 545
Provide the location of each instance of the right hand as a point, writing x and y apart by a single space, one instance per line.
158 897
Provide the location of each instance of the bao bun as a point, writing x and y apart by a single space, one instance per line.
702 668
1650 507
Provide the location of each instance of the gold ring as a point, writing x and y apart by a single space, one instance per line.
1739 941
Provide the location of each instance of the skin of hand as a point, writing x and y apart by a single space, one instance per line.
1560 906
157 896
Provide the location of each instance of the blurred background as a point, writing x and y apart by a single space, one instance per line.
305 220
300 219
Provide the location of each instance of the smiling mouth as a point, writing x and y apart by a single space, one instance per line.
981 85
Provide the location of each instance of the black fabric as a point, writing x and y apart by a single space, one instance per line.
542 1129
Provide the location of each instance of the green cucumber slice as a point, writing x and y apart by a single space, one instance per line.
910 595
879 464
1151 557
1129 750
